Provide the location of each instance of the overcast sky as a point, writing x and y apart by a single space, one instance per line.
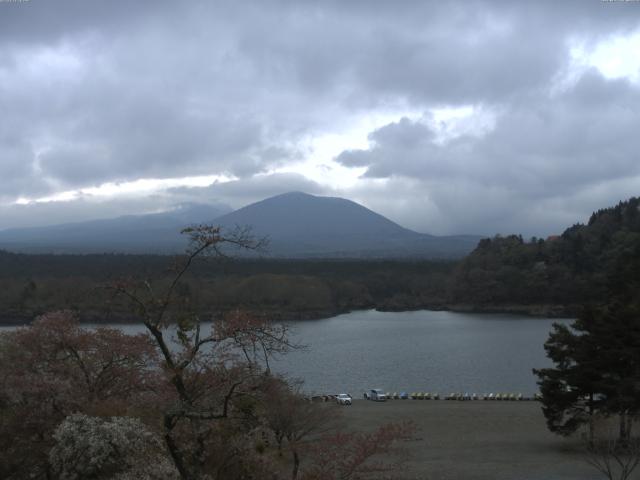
447 117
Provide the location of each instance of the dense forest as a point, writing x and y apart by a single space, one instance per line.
552 276
33 284
575 268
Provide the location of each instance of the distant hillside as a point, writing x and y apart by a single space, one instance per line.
550 277
578 267
153 233
298 226
302 225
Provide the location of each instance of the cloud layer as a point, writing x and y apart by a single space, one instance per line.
96 92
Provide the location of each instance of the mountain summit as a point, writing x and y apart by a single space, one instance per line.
299 215
303 225
297 224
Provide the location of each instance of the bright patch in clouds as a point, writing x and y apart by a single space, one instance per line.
42 66
141 187
616 57
320 166
323 148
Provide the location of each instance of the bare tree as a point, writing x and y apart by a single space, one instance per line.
208 372
356 455
295 421
614 458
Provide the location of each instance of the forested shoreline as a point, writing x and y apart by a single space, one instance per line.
551 277
285 289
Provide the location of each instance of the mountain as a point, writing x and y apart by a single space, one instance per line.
303 225
152 233
298 226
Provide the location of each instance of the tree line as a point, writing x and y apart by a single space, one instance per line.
568 270
596 371
33 284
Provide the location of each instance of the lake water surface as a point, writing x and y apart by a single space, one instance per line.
416 351
420 351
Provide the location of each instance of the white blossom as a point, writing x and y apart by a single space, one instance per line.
116 448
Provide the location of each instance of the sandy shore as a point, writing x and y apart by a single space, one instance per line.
478 440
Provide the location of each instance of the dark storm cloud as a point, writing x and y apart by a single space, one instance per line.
41 21
542 151
108 91
98 102
441 52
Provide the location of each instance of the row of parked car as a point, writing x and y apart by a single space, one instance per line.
378 395
489 396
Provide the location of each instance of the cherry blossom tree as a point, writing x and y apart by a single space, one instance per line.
54 368
115 448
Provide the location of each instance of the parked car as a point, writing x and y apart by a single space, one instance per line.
344 399
376 394
404 395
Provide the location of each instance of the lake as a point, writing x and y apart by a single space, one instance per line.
419 351
416 351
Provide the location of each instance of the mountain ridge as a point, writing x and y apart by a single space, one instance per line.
152 233
304 225
299 225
